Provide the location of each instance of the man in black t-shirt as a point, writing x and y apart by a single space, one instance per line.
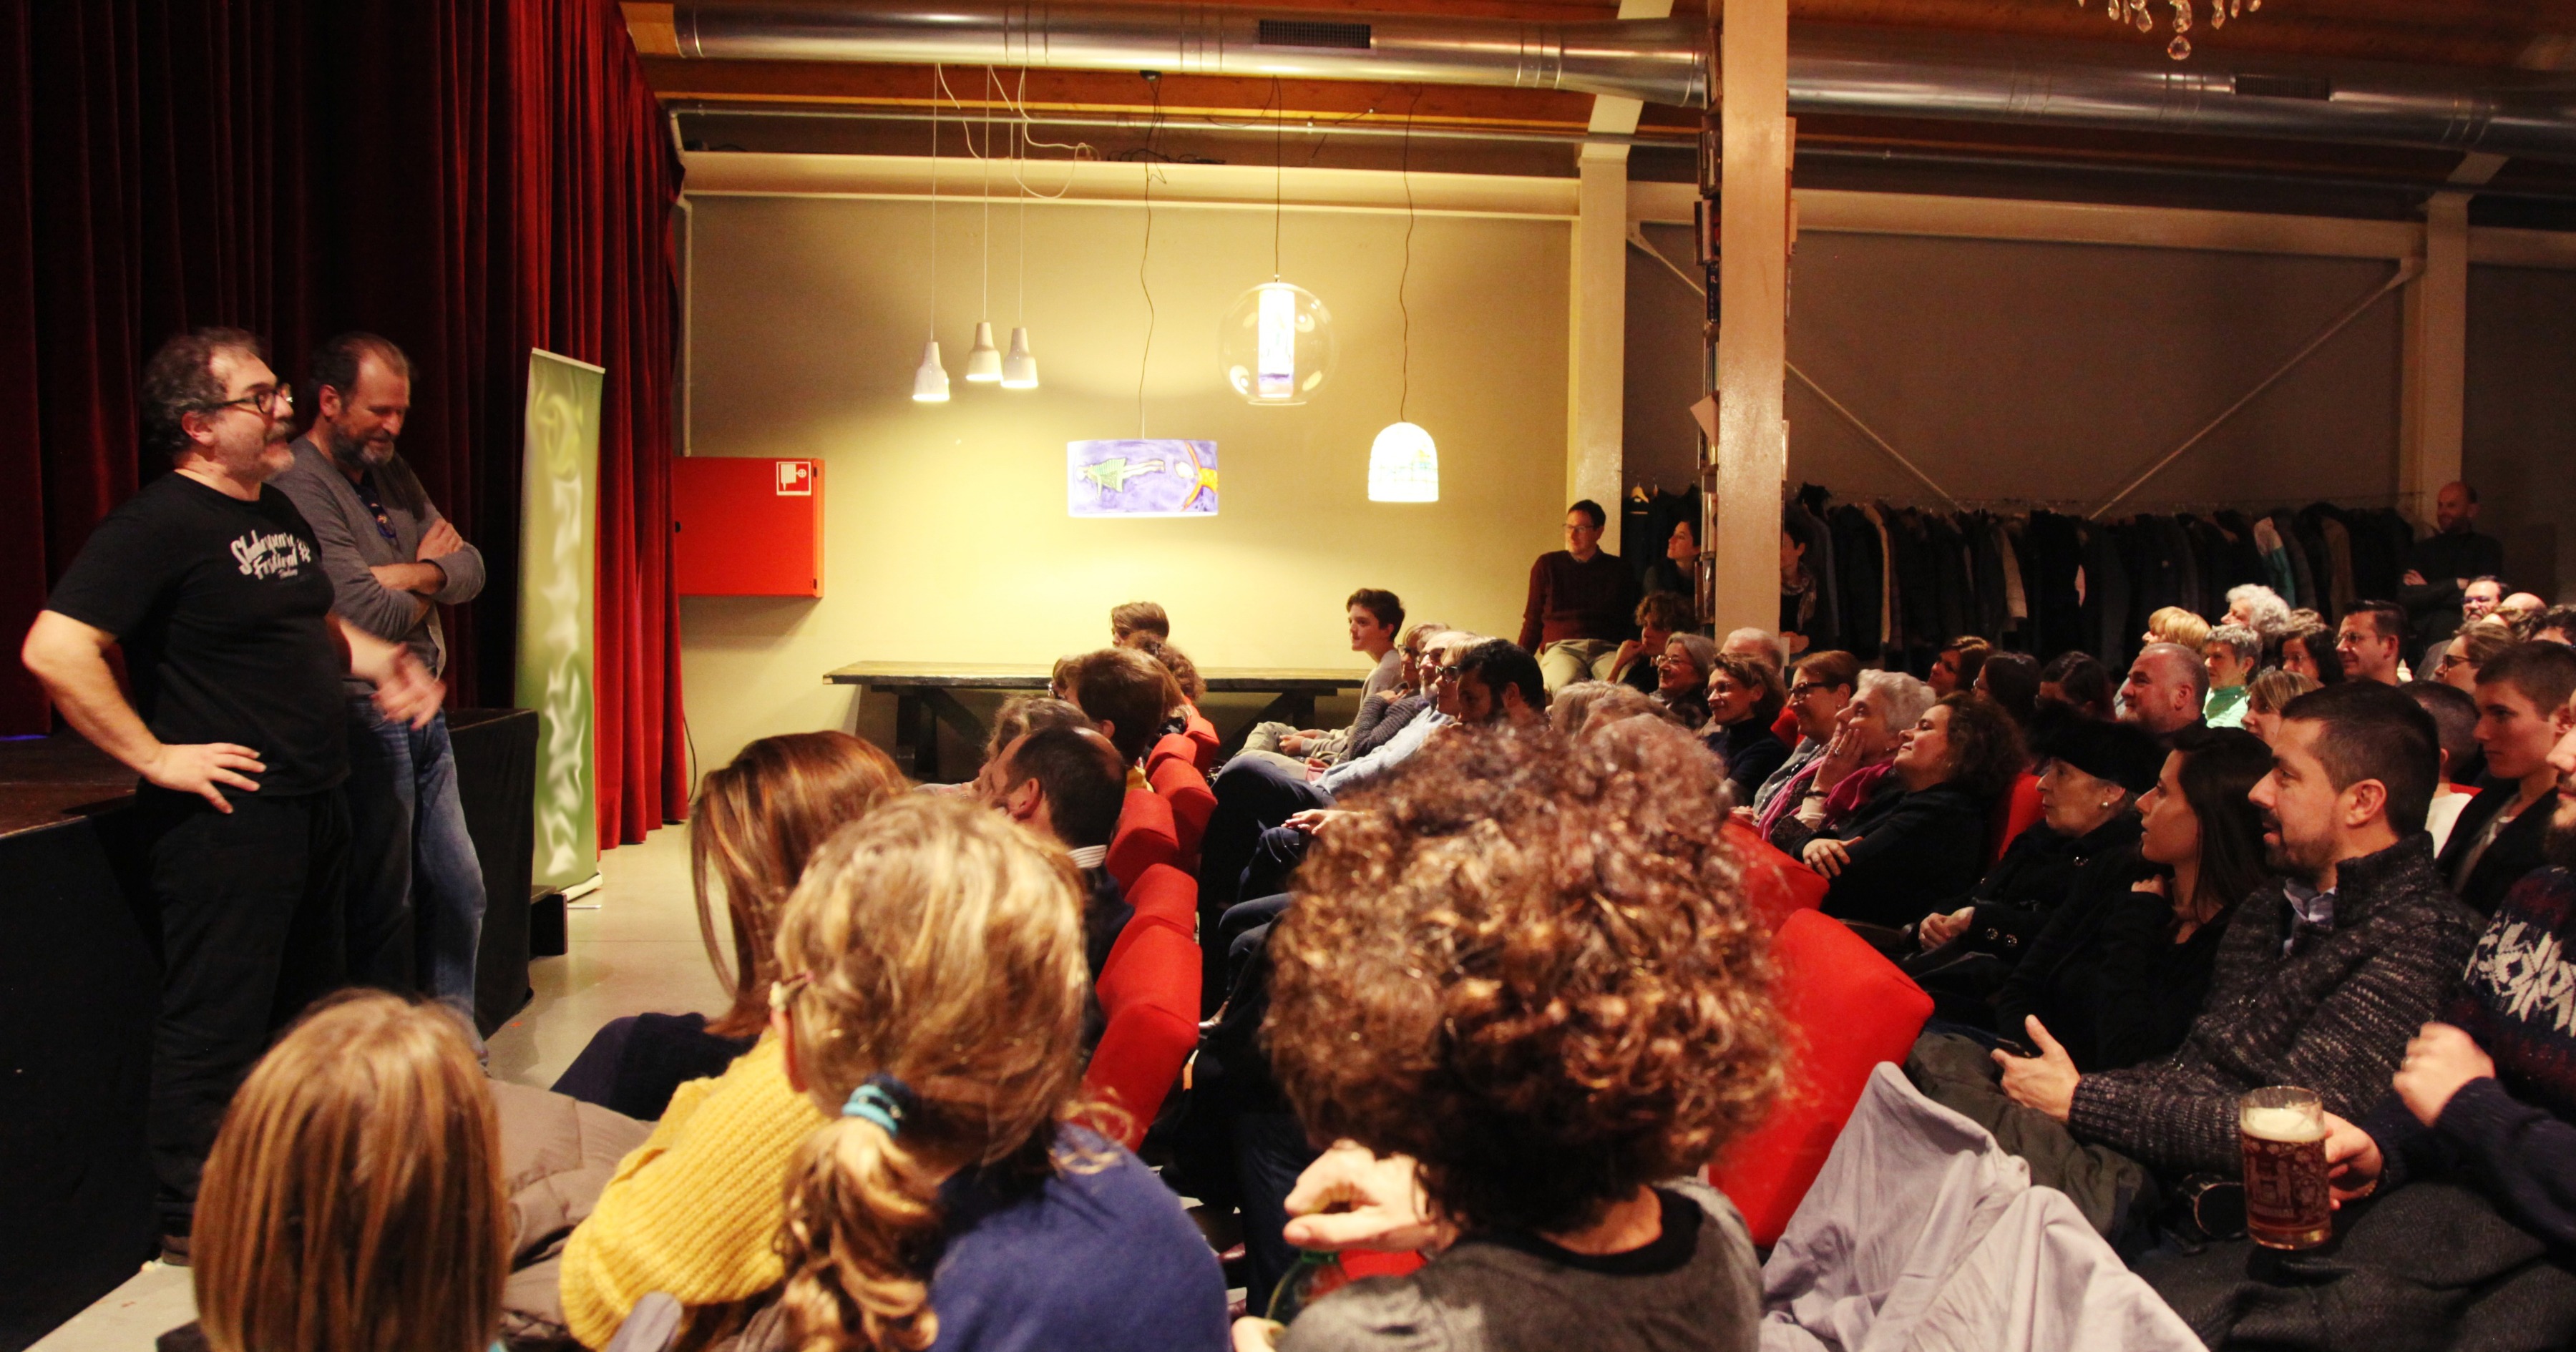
209 580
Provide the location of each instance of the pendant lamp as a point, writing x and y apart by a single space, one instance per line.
984 361
1276 343
1404 464
930 379
1019 369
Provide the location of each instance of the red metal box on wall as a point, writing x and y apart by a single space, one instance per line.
746 526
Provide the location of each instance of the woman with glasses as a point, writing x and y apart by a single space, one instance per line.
2472 648
1681 677
1818 691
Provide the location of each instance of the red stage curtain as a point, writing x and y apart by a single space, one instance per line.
469 179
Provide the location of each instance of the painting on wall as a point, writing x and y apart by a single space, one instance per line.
1140 478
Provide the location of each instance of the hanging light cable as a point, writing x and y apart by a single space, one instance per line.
1276 343
1404 464
1019 368
984 361
930 379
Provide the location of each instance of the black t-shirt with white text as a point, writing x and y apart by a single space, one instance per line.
221 607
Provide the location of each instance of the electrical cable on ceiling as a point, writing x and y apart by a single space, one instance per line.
1143 361
1405 389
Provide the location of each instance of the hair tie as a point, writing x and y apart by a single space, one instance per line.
881 1099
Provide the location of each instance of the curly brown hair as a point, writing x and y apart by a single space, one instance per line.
1531 967
1986 750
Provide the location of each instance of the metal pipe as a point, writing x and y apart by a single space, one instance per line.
1916 72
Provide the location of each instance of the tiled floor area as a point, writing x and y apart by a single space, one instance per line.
639 950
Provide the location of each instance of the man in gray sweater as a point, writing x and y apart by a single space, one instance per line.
2322 976
415 884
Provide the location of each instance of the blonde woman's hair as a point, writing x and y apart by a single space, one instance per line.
936 943
2271 689
757 821
353 1200
2173 624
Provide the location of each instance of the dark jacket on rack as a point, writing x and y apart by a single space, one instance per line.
2515 852
2333 1013
1860 567
1908 850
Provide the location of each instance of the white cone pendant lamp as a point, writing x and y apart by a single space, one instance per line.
984 361
1019 369
1404 465
930 381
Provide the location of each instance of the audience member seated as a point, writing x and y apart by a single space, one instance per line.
1839 779
1956 666
1531 955
1381 720
2229 657
1660 615
2267 693
1678 570
2118 973
2319 979
1759 644
2260 609
354 1196
2522 713
2372 642
2441 566
2478 601
2011 680
2455 717
2166 689
1681 677
1066 785
1580 603
1573 709
2175 625
2084 847
2079 681
1819 689
2520 609
1134 619
2555 625
1185 678
1744 698
755 823
2467 652
1128 697
928 1022
2470 1165
1375 619
2310 650
1922 834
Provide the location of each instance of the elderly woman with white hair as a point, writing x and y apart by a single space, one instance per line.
2260 609
1882 707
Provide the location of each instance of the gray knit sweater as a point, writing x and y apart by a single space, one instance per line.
2334 1016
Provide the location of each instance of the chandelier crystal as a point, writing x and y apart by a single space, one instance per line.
2136 13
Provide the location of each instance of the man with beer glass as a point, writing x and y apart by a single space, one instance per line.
2321 976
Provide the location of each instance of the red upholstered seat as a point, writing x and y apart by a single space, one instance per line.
1785 727
1202 732
1846 1009
1146 836
1776 885
2016 812
1179 783
1149 996
1167 894
1173 745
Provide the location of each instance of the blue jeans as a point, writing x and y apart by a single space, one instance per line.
415 885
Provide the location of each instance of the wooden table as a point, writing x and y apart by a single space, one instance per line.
925 697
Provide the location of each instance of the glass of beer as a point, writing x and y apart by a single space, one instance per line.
2283 1132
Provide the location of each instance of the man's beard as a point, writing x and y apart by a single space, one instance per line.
2288 858
2558 843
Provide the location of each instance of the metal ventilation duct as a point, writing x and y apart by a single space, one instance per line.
1915 73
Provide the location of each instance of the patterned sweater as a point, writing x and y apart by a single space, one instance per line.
2512 1136
2333 1015
695 1210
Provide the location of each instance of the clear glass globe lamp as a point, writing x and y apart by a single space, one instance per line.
1276 345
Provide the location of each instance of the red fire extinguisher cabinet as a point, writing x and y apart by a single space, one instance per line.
744 526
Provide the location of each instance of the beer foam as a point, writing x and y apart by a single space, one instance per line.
2282 1124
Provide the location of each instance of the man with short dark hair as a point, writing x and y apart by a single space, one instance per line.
1498 683
2522 713
1066 784
1127 695
1128 619
1581 603
2442 565
2455 715
208 579
2320 977
393 561
2165 691
2372 642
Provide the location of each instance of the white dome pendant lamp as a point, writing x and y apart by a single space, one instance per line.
930 379
984 361
1404 464
1019 368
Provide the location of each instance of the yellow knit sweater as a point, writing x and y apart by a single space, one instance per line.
696 1210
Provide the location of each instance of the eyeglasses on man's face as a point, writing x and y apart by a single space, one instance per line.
1451 673
265 401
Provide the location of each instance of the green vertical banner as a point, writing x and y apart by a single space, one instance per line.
558 591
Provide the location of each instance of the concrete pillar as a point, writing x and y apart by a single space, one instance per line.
1596 351
1753 316
2432 398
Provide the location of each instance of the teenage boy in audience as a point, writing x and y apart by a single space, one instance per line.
2522 714
1133 618
2372 642
2229 657
1127 696
2321 977
393 561
1660 615
1067 785
2555 625
2456 716
211 583
1580 603
2166 690
1375 618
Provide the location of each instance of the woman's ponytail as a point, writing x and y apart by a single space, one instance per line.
861 1225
